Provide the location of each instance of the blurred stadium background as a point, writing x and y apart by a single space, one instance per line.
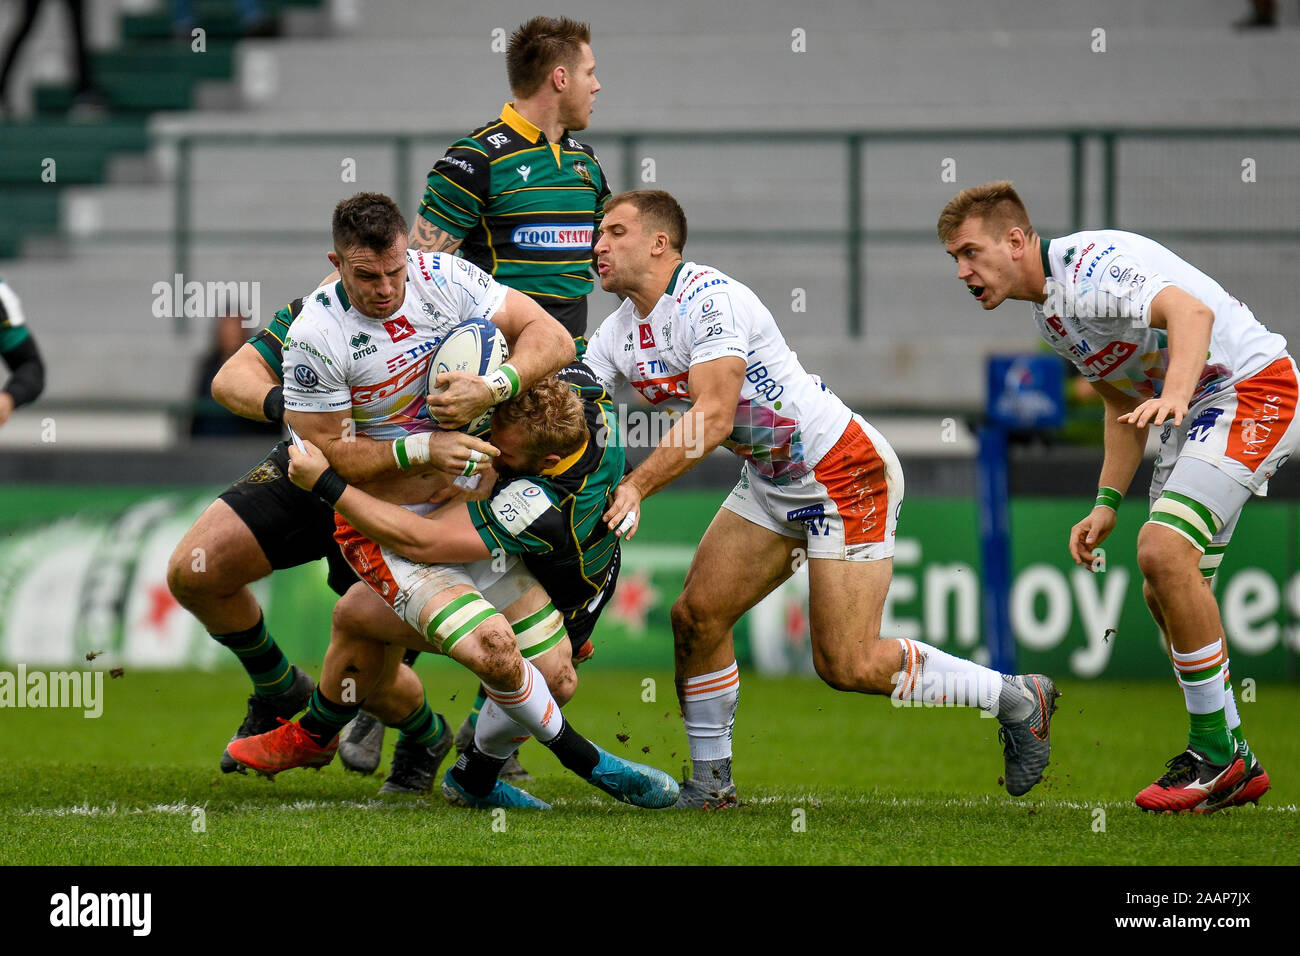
808 146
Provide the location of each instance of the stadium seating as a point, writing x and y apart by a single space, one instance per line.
388 66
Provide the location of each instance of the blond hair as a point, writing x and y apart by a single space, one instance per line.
997 204
550 415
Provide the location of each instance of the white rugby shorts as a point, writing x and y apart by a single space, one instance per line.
846 509
1228 447
407 586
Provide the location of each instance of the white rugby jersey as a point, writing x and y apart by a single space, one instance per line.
336 359
1100 286
786 420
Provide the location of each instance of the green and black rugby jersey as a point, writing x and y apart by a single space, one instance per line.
554 519
270 341
13 328
525 209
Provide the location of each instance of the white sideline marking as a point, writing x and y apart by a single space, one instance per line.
113 810
295 806
973 803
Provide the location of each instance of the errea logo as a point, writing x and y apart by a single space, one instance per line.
361 345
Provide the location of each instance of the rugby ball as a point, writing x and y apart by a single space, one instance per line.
475 346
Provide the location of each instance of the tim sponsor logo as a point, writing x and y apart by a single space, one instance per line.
75 909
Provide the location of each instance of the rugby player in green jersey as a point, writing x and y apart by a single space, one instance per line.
18 349
557 466
520 198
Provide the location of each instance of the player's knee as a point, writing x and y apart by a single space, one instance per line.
186 579
496 656
1161 561
345 623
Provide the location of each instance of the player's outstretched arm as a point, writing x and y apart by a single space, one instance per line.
445 537
715 392
1124 446
244 384
1189 322
358 458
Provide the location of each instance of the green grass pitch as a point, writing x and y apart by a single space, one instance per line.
826 778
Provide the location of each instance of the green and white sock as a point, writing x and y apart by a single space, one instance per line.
1200 674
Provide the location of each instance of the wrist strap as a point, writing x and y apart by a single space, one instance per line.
329 486
411 450
1108 498
504 383
273 405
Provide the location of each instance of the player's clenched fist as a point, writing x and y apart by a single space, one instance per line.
1090 532
306 467
624 514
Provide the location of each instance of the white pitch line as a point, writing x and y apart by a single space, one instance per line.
806 800
970 803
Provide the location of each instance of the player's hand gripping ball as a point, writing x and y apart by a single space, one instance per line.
463 402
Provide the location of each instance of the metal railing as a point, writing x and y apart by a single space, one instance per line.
855 143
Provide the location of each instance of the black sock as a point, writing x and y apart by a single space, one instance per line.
257 651
575 751
476 771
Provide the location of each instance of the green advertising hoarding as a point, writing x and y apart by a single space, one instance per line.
83 570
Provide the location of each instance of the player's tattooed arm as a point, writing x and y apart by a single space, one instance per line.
427 237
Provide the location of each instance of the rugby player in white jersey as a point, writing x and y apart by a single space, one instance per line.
1164 345
356 361
816 480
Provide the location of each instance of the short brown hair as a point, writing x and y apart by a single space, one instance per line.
550 414
367 220
538 47
997 204
662 212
